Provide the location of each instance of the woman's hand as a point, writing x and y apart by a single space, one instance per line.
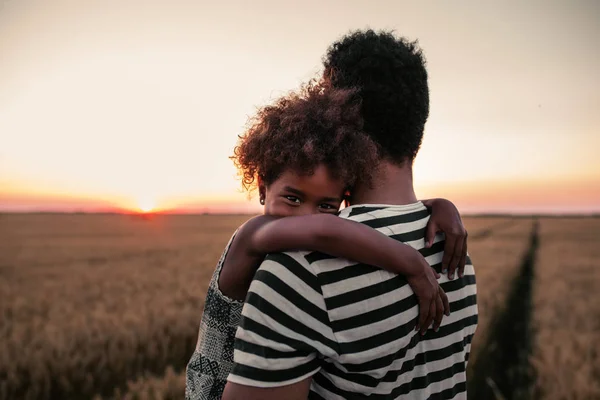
446 218
433 302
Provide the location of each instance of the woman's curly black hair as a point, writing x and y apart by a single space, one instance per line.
392 80
315 125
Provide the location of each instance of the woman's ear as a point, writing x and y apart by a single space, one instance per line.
347 197
262 190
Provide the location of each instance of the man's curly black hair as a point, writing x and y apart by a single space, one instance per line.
316 125
392 80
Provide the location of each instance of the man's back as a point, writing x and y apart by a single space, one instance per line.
353 324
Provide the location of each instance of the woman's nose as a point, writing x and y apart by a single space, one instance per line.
307 209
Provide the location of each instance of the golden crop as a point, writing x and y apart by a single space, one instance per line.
108 306
89 302
566 317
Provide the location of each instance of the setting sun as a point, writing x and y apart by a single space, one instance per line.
154 128
146 205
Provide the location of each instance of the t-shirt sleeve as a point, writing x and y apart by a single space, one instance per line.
284 326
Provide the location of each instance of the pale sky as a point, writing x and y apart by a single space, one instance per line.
139 103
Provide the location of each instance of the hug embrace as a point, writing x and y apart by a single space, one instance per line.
307 301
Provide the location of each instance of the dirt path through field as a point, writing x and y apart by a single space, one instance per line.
502 370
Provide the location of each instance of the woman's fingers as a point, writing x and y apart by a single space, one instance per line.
449 245
456 256
430 317
439 313
423 314
463 260
430 233
445 301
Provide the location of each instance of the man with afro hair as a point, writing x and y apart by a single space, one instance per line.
326 328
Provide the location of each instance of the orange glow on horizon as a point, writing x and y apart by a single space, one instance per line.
564 196
141 116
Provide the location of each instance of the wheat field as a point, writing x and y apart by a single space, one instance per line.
566 353
108 306
93 300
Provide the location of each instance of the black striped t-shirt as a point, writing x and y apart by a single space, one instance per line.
351 326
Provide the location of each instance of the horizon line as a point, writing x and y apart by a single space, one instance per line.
562 214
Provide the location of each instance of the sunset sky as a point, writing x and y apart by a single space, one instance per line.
138 104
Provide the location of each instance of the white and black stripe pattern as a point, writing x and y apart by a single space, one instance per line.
352 325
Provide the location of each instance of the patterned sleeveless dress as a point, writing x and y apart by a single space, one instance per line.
209 366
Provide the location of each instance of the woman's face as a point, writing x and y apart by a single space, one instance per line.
292 194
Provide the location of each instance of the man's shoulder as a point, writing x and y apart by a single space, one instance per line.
383 214
291 268
291 259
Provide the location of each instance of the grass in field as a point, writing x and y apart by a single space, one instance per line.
567 310
171 386
92 301
109 305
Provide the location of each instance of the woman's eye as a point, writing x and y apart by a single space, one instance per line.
328 206
293 199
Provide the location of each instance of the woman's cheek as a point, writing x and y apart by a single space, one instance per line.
281 209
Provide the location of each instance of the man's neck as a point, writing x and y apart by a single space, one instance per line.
391 184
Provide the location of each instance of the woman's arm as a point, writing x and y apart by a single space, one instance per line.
336 236
352 240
